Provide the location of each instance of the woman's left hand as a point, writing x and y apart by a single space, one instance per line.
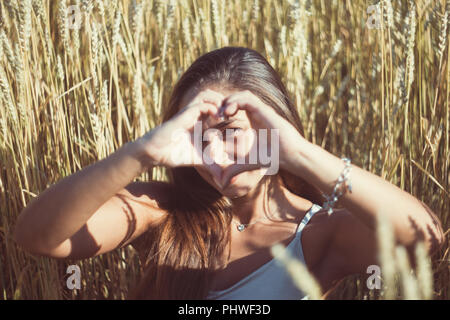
286 147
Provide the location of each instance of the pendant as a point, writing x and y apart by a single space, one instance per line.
240 227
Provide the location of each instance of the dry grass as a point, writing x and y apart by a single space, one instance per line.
69 97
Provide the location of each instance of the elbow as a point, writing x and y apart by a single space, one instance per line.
32 241
21 230
21 240
432 235
434 232
438 238
37 248
427 227
434 242
28 241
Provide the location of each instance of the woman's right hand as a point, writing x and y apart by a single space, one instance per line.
171 144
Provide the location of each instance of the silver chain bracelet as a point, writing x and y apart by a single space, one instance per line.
337 191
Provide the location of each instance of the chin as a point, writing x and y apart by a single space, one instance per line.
241 185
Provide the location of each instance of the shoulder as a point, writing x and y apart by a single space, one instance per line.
340 222
328 223
350 234
347 245
337 245
318 235
334 235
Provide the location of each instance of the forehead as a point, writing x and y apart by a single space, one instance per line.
193 92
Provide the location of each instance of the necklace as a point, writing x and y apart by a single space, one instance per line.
242 226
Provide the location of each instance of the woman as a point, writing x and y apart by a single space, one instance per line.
208 232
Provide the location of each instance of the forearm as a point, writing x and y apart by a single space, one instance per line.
371 195
61 210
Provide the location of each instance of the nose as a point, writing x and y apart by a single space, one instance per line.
216 151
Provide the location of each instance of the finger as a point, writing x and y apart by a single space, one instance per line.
214 169
241 100
207 108
255 108
211 97
194 112
230 109
216 172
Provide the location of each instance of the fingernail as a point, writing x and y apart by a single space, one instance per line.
223 106
221 116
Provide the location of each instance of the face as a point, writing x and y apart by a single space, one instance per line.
233 129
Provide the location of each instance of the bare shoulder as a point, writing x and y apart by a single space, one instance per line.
338 245
318 242
318 234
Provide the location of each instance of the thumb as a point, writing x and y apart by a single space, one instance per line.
216 172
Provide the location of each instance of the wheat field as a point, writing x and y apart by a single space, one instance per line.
79 78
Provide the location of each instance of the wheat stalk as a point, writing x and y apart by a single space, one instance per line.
25 9
424 271
64 26
408 281
6 94
443 35
386 256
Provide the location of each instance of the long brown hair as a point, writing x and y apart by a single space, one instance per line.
185 248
